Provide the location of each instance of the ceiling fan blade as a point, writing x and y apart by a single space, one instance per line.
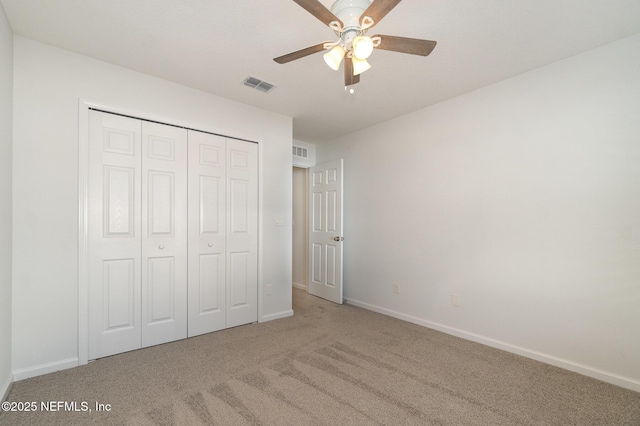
378 10
413 46
349 78
299 53
318 10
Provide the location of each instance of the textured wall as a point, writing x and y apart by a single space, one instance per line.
522 198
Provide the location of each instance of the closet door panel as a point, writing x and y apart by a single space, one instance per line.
207 233
119 298
242 232
161 297
239 279
209 284
164 238
114 225
162 193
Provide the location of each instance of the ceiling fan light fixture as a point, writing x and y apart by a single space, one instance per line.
334 57
362 47
350 20
360 65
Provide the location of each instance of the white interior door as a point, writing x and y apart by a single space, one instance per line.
242 232
114 244
164 233
207 233
325 230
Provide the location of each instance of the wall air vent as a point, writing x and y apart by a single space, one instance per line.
256 83
300 152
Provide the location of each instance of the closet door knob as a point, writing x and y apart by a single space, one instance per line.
161 247
210 244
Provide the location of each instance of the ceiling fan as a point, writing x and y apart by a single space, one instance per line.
350 20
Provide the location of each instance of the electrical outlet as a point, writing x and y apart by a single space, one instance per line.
455 300
396 288
269 289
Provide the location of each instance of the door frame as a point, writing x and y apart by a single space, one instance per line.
84 106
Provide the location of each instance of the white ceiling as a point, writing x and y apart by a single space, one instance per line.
212 45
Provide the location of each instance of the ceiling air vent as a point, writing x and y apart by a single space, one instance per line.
299 151
256 83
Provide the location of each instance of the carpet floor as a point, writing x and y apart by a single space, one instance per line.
327 365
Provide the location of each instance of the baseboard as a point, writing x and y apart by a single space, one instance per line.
300 286
39 370
624 382
277 315
6 387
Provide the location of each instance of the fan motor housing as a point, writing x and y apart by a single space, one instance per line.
349 12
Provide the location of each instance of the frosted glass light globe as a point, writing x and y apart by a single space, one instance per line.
362 47
360 66
333 58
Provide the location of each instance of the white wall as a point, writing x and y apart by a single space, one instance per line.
524 199
6 136
300 231
48 84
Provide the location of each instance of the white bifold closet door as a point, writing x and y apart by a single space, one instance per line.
223 227
172 233
137 234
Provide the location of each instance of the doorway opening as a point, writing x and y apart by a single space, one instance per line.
300 242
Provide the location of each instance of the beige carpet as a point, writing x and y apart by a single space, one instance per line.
327 365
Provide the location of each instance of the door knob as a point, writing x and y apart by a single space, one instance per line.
210 244
338 238
161 247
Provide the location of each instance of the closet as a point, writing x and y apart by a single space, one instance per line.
172 233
